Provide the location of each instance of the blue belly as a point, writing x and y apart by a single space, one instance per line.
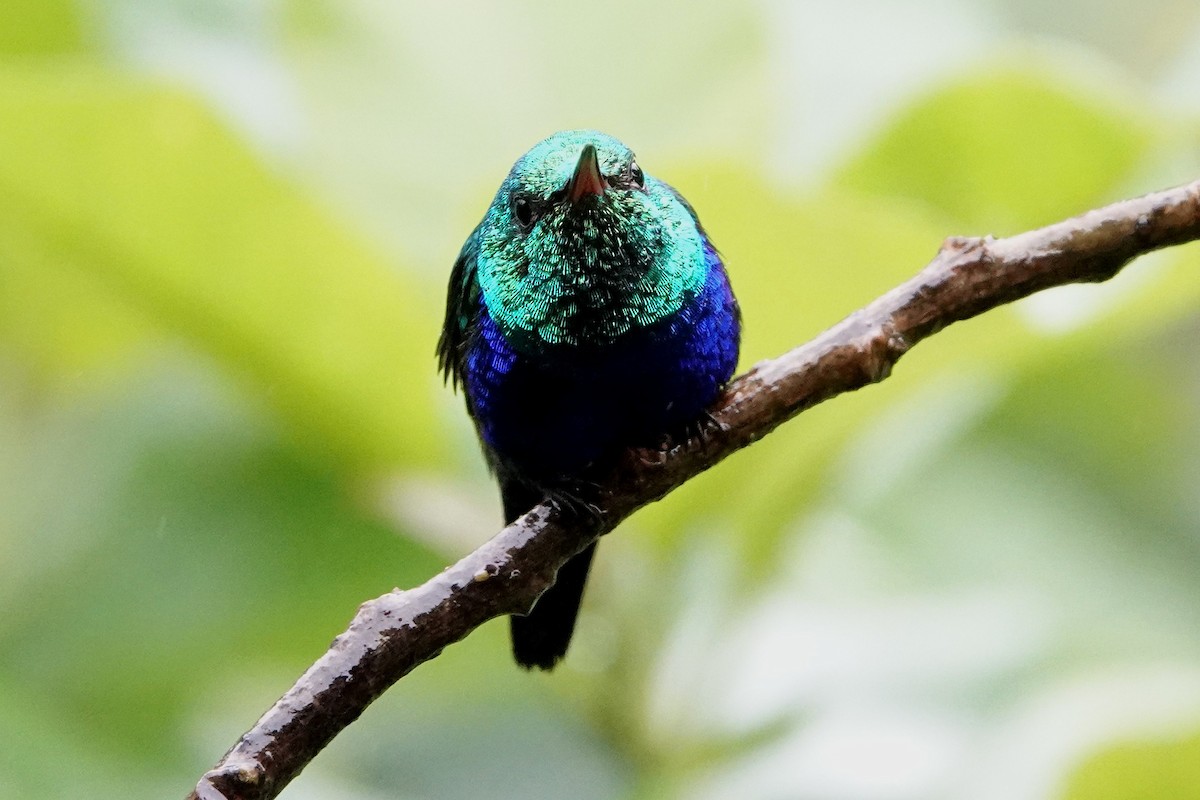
553 415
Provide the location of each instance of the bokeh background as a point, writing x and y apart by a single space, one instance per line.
225 229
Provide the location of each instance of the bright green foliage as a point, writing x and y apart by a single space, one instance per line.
1005 150
1141 771
40 28
132 209
216 363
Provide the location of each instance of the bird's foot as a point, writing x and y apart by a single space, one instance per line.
700 430
574 497
705 426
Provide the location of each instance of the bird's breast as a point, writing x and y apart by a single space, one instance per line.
556 410
582 283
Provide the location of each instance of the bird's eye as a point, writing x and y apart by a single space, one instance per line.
637 176
522 210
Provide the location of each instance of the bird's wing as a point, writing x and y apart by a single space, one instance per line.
462 307
711 249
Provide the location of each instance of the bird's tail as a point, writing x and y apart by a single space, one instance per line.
540 638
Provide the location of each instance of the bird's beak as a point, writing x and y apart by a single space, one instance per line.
587 180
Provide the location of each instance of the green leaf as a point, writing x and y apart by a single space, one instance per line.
129 211
1006 149
40 27
1140 771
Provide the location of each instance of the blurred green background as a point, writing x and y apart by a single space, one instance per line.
225 229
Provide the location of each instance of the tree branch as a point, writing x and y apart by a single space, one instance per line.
392 634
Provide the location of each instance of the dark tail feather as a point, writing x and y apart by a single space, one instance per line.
540 638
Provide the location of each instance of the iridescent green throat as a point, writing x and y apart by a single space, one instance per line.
589 272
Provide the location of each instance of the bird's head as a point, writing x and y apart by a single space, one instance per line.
580 244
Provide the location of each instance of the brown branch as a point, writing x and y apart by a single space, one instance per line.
392 634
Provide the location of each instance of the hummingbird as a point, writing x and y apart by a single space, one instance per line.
588 312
